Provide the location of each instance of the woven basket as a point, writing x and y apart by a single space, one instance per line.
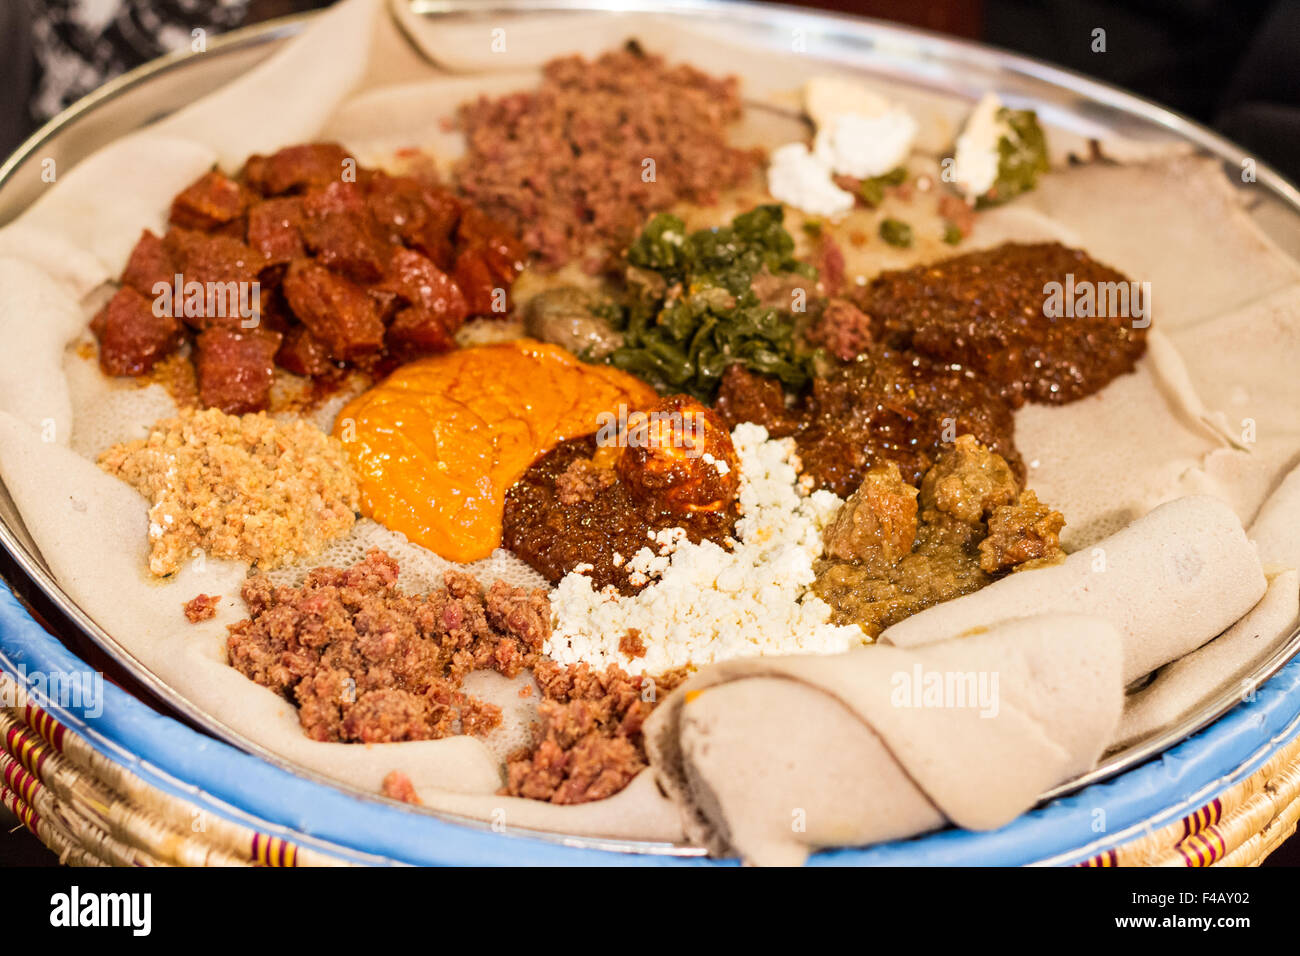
92 811
1240 827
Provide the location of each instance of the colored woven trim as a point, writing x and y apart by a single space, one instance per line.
90 809
1239 827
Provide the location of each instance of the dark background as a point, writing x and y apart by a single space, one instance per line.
1231 64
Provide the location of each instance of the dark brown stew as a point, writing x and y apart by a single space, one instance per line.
883 406
566 512
953 348
991 312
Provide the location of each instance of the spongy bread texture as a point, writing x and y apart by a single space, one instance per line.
421 569
1223 665
847 747
1226 663
1169 582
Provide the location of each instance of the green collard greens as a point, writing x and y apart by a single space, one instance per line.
1022 157
695 312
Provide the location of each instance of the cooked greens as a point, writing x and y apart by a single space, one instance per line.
1022 156
872 190
692 311
896 233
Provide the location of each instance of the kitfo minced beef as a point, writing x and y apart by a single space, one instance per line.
568 166
367 663
587 744
397 786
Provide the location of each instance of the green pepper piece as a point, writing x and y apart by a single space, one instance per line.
896 233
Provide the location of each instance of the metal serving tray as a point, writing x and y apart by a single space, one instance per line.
899 54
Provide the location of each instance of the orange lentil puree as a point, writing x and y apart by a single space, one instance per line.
436 445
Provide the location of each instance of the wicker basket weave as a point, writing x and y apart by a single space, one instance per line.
92 811
1240 827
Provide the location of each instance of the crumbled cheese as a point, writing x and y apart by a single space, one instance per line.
800 179
859 134
865 146
975 161
703 603
826 97
720 466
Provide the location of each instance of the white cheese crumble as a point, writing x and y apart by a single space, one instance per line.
800 179
826 97
704 603
975 161
859 134
866 146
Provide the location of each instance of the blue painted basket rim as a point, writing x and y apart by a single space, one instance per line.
247 790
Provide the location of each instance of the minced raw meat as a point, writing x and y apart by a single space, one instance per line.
841 328
201 607
582 481
588 743
398 786
365 662
568 165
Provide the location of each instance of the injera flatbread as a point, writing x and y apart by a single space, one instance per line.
55 411
846 749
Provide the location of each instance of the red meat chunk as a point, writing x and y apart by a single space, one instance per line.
149 264
435 235
418 281
302 353
477 282
275 315
435 306
396 203
339 313
338 229
132 335
236 369
296 167
335 198
502 252
422 217
204 258
211 201
224 269
490 259
417 331
273 229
